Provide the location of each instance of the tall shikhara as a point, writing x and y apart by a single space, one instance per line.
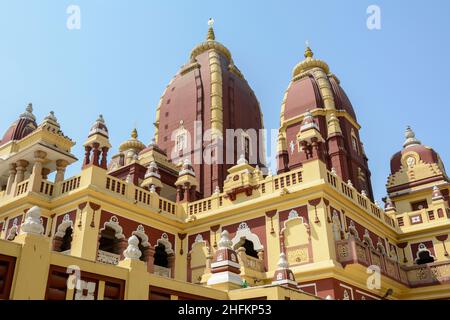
316 93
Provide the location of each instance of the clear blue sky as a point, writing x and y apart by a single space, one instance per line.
126 51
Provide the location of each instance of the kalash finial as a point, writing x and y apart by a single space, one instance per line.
211 35
411 139
308 51
100 118
134 134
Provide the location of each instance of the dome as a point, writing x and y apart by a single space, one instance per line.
417 150
99 127
132 144
22 127
303 92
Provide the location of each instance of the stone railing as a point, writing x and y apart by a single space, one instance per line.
70 184
252 263
97 178
107 257
249 262
359 199
162 271
428 274
434 214
267 185
353 251
22 187
47 188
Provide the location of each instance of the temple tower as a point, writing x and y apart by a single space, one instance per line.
205 98
317 121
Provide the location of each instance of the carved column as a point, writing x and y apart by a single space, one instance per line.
96 154
44 173
103 162
171 264
21 168
60 170
87 156
180 194
151 259
36 175
12 177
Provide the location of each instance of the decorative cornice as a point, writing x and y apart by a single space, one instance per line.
208 45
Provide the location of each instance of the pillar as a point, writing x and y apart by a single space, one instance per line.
137 285
60 170
12 177
36 175
31 270
21 167
85 237
87 156
96 154
103 162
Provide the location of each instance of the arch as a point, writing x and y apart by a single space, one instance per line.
197 258
140 233
113 223
111 235
424 255
161 258
295 231
243 232
66 223
164 240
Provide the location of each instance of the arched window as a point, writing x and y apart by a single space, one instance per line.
66 240
250 249
161 257
108 241
142 249
424 255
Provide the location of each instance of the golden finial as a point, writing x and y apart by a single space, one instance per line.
134 133
308 51
211 35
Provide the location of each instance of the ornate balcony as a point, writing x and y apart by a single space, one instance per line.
353 251
428 274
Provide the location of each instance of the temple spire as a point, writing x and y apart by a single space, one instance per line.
411 139
211 35
308 51
134 134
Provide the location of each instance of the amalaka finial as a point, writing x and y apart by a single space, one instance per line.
134 134
211 35
308 51
411 139
28 114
